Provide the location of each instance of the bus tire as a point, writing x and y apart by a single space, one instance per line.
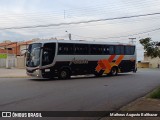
64 74
135 70
114 71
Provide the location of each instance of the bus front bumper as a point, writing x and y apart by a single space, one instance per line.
35 73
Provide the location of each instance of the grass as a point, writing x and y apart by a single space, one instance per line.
155 94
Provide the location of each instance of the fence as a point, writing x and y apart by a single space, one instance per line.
8 61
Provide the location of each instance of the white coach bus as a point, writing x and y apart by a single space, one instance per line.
64 58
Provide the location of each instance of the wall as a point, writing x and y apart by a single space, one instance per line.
2 62
143 65
11 61
153 62
5 51
21 62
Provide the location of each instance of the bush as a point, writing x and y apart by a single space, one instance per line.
155 94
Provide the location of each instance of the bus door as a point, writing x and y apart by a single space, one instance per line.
48 53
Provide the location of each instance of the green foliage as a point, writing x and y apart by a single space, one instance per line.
150 47
155 94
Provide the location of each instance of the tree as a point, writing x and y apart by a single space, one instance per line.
152 48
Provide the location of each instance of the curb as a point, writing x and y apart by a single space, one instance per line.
15 77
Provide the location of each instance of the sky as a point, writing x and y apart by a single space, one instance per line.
21 13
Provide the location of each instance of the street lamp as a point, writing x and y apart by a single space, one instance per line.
132 40
69 35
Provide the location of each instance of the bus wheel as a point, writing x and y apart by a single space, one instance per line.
135 70
114 71
64 74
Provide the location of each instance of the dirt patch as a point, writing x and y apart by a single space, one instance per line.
141 104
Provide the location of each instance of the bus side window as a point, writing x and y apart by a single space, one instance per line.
106 50
65 49
93 49
97 50
132 49
129 50
119 50
60 49
111 50
81 49
122 50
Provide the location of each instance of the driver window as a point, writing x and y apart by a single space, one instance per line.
48 53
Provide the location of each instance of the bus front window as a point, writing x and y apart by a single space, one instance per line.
33 55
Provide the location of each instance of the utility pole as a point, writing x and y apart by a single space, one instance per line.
70 36
64 14
132 40
7 63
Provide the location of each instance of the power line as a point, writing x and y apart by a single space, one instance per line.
74 12
111 6
89 21
86 11
102 5
104 11
153 30
46 30
151 18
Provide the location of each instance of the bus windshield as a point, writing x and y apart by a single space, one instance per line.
33 55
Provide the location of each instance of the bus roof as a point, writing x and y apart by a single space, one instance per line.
80 41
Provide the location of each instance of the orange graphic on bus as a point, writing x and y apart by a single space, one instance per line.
107 64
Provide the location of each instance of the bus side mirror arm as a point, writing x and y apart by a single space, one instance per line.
26 50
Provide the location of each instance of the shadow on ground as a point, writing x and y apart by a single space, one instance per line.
77 77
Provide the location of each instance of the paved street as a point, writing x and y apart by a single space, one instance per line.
77 94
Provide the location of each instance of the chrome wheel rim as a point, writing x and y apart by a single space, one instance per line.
114 71
63 74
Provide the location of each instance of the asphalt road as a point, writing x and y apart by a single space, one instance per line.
77 94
